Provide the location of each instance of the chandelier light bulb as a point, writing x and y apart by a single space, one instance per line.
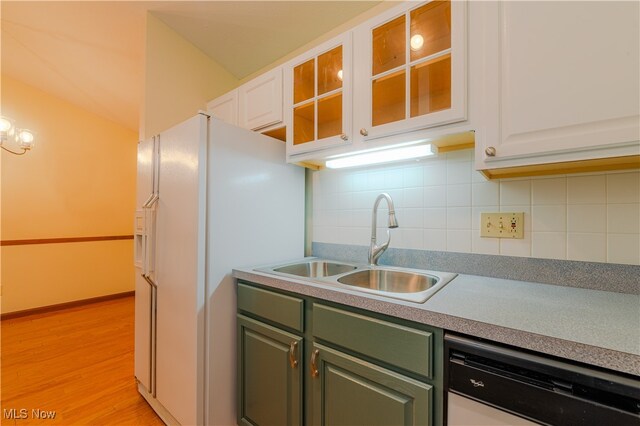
416 42
5 124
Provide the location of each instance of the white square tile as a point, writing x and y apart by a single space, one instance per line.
623 248
459 195
549 218
344 182
413 177
360 181
623 218
375 180
345 200
362 236
331 217
435 174
412 238
435 218
485 194
435 196
589 218
397 237
623 187
362 217
587 247
476 212
549 191
458 172
586 189
484 245
345 218
413 197
333 234
410 218
549 245
516 247
435 239
458 217
515 192
393 179
459 240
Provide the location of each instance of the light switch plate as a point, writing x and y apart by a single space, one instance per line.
502 225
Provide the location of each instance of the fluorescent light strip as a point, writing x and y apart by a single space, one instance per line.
383 156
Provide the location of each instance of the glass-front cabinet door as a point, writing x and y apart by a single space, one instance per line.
410 69
319 97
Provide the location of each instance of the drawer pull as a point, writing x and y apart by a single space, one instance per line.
292 354
490 151
314 367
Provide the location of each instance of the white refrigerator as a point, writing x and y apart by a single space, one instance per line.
210 197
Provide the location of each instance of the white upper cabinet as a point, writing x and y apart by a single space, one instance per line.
561 82
410 69
319 98
225 107
260 101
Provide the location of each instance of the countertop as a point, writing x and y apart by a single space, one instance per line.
595 327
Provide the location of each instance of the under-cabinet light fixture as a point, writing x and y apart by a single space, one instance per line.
23 138
383 156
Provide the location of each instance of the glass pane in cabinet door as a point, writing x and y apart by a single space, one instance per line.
430 29
303 84
389 45
330 71
431 86
388 95
330 116
303 123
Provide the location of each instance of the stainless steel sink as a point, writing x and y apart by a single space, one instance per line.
389 280
412 285
315 269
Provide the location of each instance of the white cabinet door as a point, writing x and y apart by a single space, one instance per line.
260 101
225 107
410 69
318 97
561 82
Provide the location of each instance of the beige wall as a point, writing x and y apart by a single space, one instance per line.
78 181
179 79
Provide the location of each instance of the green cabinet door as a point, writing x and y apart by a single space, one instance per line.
269 375
350 392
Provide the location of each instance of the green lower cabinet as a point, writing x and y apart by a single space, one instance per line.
349 391
269 375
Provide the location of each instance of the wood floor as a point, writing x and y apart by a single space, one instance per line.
77 362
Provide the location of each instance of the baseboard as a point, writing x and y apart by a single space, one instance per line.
66 305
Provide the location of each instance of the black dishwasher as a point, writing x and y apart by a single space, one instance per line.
485 380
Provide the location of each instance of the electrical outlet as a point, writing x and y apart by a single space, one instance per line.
502 225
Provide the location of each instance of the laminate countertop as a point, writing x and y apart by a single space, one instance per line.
595 327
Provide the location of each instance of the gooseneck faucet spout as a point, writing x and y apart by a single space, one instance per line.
375 250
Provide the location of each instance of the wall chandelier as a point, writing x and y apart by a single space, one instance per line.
13 136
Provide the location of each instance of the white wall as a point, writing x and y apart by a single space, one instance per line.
438 201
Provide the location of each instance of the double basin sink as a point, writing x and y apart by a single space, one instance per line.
412 285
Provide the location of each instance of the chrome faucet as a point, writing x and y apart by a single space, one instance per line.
375 250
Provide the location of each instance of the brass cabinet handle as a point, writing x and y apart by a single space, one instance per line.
344 137
364 132
314 367
490 151
292 354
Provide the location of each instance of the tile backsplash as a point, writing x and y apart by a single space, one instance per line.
438 202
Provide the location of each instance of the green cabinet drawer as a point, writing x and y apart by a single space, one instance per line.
278 308
394 344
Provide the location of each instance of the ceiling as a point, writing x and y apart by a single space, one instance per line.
91 53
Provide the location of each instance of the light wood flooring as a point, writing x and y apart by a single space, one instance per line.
77 362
